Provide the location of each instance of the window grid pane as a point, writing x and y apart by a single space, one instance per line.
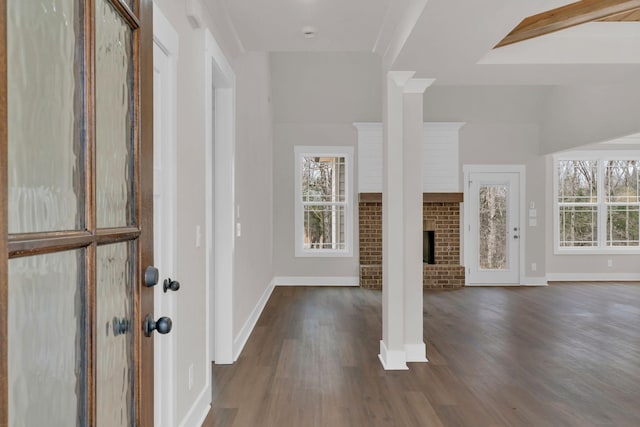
324 227
577 181
623 225
621 181
323 179
578 226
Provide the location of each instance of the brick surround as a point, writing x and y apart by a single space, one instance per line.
441 213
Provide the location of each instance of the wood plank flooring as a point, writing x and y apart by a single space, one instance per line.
563 355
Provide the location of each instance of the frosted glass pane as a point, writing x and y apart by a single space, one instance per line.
114 118
45 362
115 369
45 177
493 227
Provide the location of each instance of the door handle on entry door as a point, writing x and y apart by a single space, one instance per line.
162 325
169 284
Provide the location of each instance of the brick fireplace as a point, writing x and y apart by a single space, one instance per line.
441 214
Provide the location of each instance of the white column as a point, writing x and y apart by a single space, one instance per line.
392 353
413 148
402 339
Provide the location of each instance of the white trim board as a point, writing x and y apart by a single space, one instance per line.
220 87
248 327
593 277
535 281
199 410
316 281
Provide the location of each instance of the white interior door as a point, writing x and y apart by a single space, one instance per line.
493 228
164 218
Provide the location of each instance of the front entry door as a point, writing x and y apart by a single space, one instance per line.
493 228
76 213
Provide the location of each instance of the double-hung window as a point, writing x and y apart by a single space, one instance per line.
324 211
597 202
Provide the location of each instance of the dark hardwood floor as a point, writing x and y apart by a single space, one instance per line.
563 355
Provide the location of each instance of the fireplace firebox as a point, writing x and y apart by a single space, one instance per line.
428 247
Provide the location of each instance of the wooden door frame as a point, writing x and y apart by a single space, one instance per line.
145 363
4 225
506 168
142 39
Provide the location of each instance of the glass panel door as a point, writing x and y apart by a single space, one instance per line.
493 235
75 172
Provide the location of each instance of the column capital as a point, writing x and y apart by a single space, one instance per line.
400 78
418 85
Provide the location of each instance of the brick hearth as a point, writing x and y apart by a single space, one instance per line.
441 213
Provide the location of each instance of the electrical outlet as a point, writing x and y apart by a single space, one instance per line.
609 263
190 376
198 236
534 266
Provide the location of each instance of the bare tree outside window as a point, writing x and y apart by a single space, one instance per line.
493 227
578 202
621 186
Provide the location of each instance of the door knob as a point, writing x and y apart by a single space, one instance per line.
162 325
151 276
169 284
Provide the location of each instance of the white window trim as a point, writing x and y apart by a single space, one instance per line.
601 249
301 151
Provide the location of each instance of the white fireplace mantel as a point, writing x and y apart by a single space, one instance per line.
440 167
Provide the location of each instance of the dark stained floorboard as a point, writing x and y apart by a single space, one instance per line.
563 355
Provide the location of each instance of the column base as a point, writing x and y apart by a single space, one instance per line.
416 352
395 360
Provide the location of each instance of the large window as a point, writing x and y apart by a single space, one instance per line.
323 201
597 203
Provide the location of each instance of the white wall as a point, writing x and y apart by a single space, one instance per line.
253 190
316 99
501 128
254 145
579 115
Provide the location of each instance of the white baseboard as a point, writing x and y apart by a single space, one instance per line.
316 281
243 336
416 352
395 360
200 409
534 281
525 281
593 277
